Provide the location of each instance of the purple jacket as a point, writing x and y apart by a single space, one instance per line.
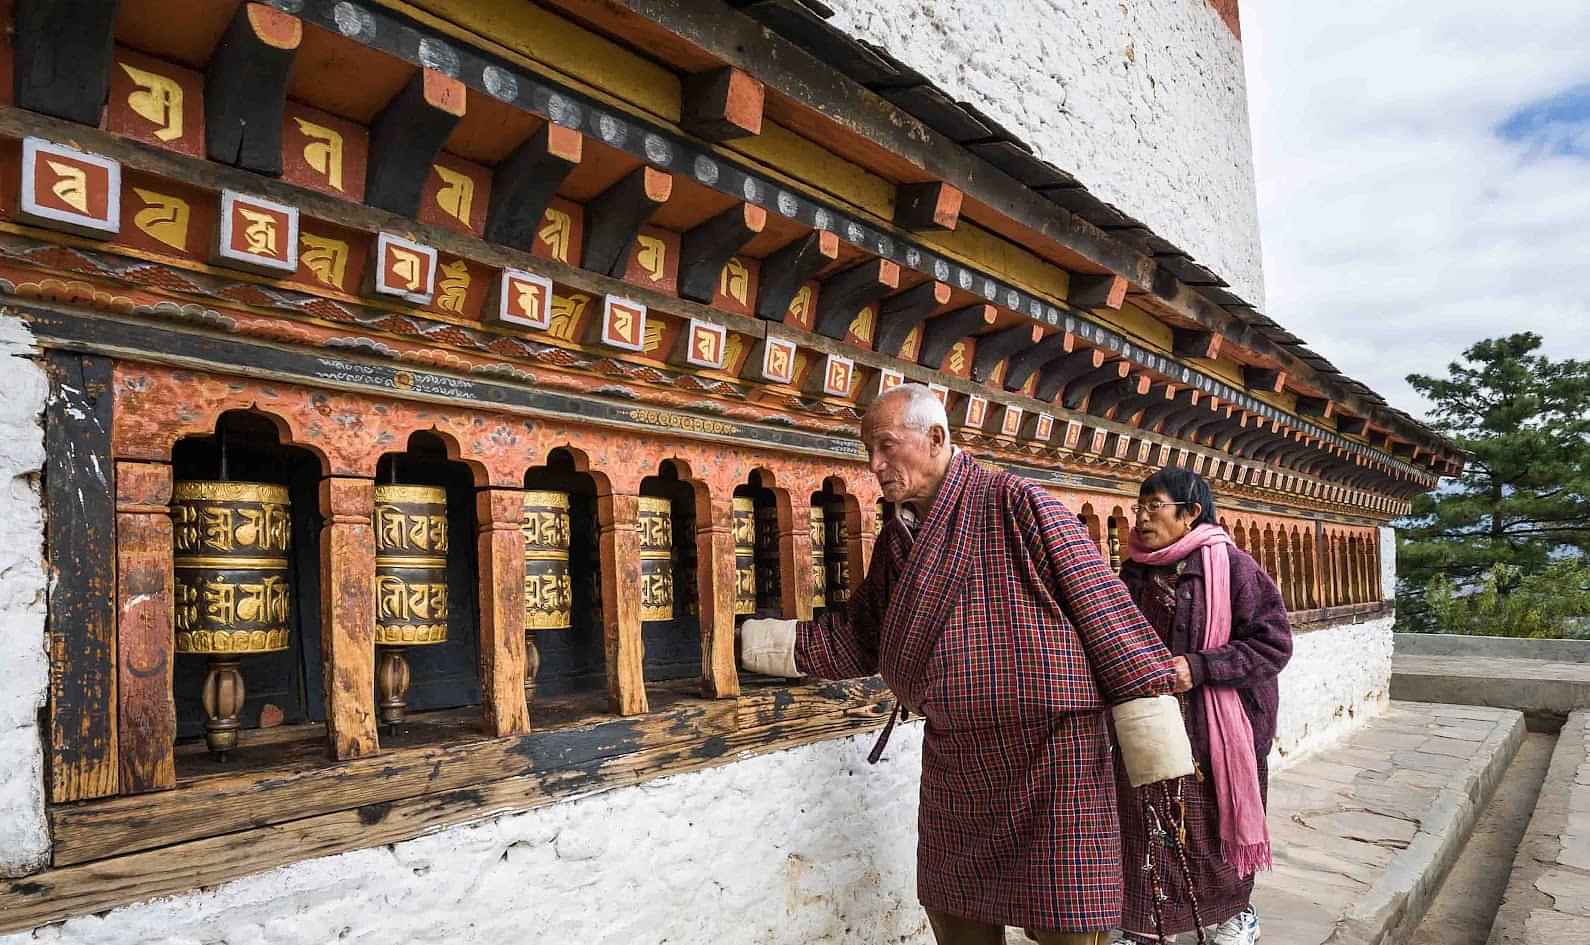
1260 645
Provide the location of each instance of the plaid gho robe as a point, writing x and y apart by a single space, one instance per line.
1004 628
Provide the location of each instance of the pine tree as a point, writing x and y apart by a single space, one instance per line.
1474 552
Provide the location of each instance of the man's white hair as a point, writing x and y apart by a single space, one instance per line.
921 410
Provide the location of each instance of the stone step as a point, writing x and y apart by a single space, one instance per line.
1548 894
1364 832
1545 690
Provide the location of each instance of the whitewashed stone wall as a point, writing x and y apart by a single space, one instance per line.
1388 562
24 674
1338 678
1143 101
810 846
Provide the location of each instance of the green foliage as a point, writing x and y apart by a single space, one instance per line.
1545 604
1523 501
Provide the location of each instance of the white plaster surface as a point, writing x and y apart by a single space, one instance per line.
1339 678
1388 562
24 674
810 846
1145 102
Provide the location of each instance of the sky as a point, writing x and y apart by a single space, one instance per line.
1423 176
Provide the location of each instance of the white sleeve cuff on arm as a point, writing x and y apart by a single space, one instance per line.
1153 740
768 647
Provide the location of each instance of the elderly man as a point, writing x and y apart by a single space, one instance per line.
989 611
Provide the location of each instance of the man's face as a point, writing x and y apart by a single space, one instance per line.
909 464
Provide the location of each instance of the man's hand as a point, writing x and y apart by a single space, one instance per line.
768 647
1184 680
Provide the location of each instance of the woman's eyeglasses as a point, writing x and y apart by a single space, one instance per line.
1153 508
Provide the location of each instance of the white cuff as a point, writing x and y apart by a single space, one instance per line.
1153 739
768 647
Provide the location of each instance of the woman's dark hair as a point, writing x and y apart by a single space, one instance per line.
1184 487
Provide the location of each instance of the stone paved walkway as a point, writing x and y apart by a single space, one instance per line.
1548 896
1363 831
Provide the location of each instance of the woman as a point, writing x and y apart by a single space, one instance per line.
1223 620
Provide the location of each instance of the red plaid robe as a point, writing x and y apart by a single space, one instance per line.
1002 626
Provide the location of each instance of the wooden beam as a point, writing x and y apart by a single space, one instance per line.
523 185
407 136
1035 357
62 51
784 272
850 291
499 549
1078 391
995 347
614 217
934 205
1350 425
1189 343
1087 291
940 334
1265 379
245 89
347 615
705 249
1321 407
1063 370
900 313
618 517
81 628
722 104
1118 392
1157 392
1183 399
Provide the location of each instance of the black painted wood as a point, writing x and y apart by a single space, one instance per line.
1134 403
62 52
900 313
1078 391
1350 425
1187 343
785 271
916 206
1063 370
613 219
521 188
1109 395
996 346
245 93
1088 291
706 106
404 141
1265 379
1314 406
940 334
704 250
850 291
80 502
1035 358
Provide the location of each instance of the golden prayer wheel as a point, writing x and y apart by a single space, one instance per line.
410 583
818 531
744 556
232 587
548 587
768 593
836 554
656 559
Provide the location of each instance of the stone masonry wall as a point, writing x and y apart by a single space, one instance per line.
24 674
1145 102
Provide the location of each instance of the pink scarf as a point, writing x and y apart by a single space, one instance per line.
1244 838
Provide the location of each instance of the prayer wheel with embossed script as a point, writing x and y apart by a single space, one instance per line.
836 555
818 529
744 556
548 587
769 596
656 559
410 584
232 587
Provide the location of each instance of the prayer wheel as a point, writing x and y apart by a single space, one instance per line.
819 531
548 587
410 584
656 559
769 596
744 556
232 587
836 554
686 586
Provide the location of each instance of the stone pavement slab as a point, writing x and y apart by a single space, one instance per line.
1544 690
1364 832
1548 895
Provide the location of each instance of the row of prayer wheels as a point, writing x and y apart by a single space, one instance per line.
233 577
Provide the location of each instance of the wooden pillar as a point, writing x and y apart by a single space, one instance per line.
144 658
1284 571
795 553
499 513
618 517
347 615
720 679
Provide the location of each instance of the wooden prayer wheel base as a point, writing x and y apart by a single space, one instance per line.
222 697
392 686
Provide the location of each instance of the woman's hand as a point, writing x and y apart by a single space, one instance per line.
1184 680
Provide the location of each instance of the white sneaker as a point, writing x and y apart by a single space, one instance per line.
1240 929
1121 938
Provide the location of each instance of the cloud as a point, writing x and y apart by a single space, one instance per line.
1423 177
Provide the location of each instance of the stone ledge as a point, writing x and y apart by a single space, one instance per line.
1545 691
1548 894
1365 831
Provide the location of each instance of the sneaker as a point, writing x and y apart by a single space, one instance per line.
1123 938
1240 929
